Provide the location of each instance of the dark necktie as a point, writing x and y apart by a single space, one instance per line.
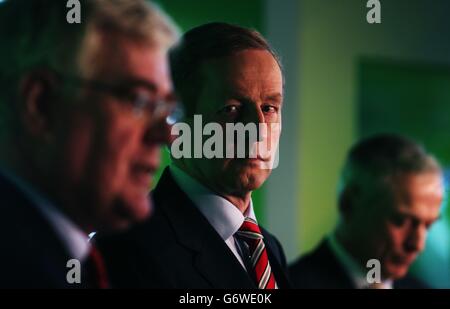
96 271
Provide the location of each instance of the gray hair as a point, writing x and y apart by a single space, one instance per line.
36 35
375 163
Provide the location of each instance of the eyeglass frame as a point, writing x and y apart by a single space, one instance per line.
172 110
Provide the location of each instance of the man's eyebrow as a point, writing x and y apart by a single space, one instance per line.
275 97
240 97
407 214
139 82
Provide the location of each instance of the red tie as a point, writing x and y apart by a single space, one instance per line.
97 270
251 234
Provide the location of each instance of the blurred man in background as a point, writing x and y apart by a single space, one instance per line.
390 194
204 233
82 117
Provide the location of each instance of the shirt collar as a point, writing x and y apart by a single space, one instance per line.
74 239
220 213
357 274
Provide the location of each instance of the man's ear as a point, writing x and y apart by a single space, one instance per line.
348 200
38 95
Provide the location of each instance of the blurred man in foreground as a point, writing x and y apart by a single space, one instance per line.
83 110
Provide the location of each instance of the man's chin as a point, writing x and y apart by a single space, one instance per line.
138 208
250 181
126 212
116 225
253 163
396 272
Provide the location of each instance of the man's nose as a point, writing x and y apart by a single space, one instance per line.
158 132
256 116
416 240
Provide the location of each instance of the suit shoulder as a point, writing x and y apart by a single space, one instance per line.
319 269
306 263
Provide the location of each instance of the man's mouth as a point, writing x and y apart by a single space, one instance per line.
258 158
143 173
404 260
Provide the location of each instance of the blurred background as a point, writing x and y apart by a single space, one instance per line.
345 79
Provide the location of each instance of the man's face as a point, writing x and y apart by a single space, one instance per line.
110 150
245 87
399 228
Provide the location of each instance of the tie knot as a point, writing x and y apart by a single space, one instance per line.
250 230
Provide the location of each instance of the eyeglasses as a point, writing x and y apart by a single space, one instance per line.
138 95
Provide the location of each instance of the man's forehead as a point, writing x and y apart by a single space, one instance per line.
236 61
235 76
119 60
424 186
420 195
115 54
424 213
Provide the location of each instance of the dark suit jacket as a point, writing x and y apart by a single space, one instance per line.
178 248
31 255
320 269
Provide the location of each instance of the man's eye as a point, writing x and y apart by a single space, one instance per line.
430 223
398 220
230 109
269 109
124 94
136 99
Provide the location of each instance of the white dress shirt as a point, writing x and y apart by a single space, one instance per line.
72 237
225 218
357 274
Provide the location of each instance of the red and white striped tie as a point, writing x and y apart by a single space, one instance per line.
251 234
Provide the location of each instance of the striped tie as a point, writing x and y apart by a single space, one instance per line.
251 234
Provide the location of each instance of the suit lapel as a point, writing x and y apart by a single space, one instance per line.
277 269
35 236
219 266
213 259
333 267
